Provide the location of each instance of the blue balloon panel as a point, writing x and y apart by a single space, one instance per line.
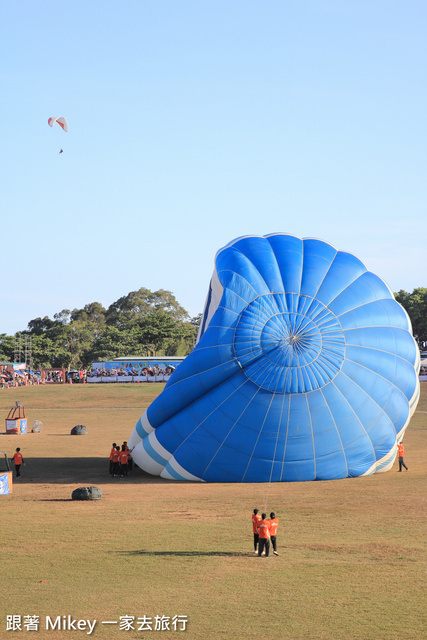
305 368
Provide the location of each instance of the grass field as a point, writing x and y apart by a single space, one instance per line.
352 552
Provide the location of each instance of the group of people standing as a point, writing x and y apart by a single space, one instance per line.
264 531
120 460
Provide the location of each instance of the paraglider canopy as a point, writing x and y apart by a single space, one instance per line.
61 121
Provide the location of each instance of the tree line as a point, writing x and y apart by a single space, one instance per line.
143 323
415 304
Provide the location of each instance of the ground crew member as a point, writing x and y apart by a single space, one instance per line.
263 529
18 460
123 458
113 448
130 461
400 454
116 463
256 518
274 523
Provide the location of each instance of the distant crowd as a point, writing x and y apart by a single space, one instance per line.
131 371
10 378
53 376
106 373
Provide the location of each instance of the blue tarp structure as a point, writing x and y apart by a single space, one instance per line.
5 488
305 369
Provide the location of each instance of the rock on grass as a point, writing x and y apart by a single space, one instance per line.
87 493
79 430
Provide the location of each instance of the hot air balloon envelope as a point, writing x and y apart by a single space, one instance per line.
305 368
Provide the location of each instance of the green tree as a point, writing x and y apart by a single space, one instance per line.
138 304
160 331
114 342
93 315
77 343
142 323
48 353
63 345
38 326
415 304
7 346
63 317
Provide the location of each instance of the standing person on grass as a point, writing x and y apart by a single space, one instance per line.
116 462
123 462
113 448
274 523
400 454
256 518
264 536
130 461
18 460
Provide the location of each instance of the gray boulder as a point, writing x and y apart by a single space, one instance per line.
87 493
79 430
37 426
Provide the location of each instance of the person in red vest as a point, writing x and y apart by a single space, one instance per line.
256 518
400 454
130 461
116 462
263 529
274 523
18 460
113 448
123 458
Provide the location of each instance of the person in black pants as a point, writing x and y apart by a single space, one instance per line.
401 453
18 460
130 461
116 461
264 536
111 457
123 462
274 523
255 521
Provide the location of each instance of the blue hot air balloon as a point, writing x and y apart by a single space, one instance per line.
305 368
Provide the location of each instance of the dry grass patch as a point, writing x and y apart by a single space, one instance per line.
352 552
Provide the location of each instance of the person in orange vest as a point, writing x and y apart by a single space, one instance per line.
130 461
123 458
274 523
400 454
18 460
263 529
113 448
116 463
256 518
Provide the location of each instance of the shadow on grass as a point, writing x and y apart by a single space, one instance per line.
190 554
87 471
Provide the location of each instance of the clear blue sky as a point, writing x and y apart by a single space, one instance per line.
195 122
